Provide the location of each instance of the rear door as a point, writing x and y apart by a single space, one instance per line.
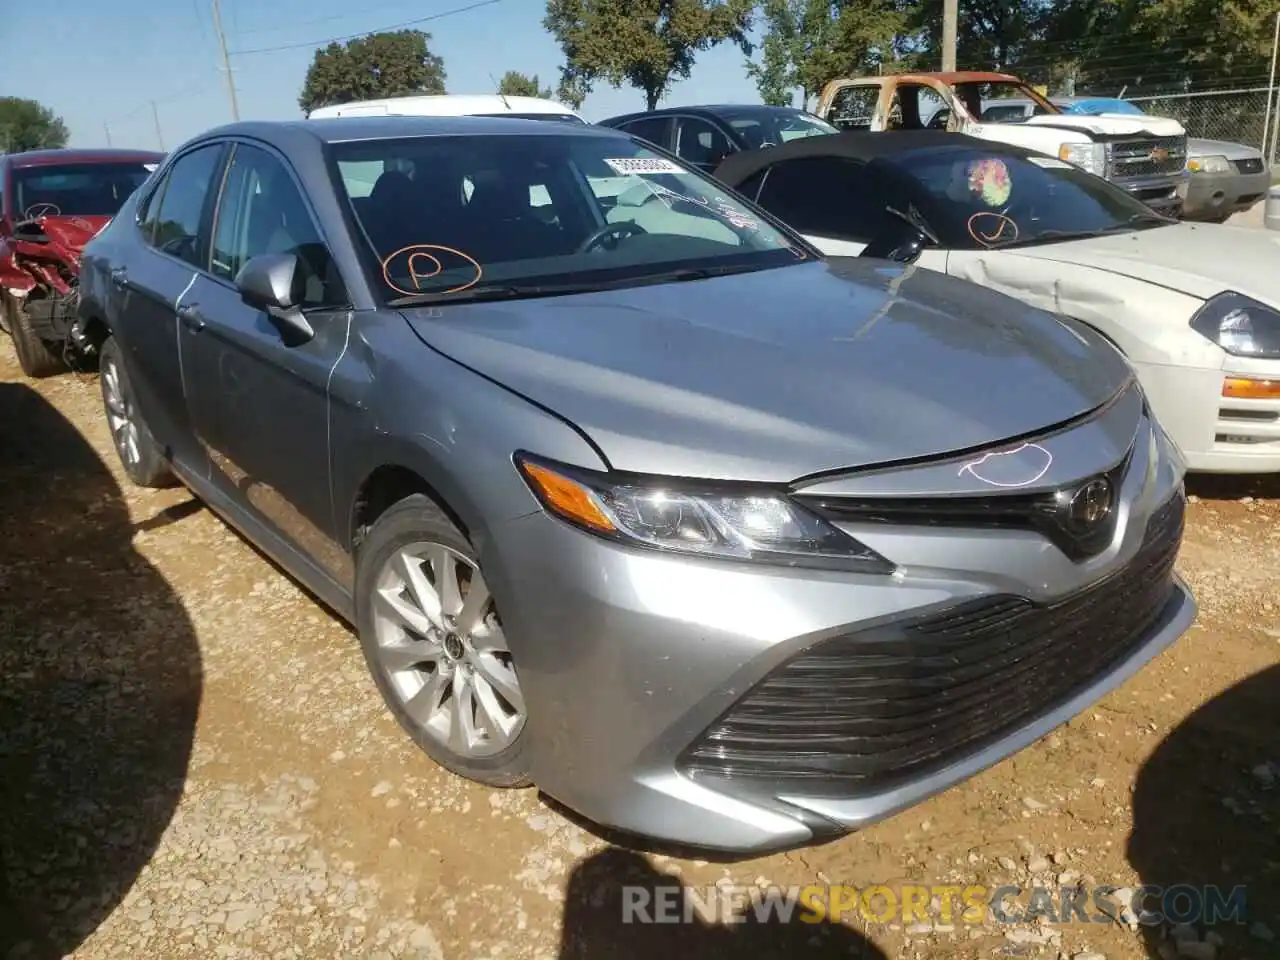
657 130
261 400
152 283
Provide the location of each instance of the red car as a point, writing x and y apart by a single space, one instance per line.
52 202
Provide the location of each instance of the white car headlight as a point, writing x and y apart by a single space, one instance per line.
691 518
1209 164
1240 325
1088 156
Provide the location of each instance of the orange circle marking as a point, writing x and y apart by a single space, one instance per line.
992 234
422 252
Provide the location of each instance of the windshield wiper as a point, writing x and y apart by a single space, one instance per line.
518 291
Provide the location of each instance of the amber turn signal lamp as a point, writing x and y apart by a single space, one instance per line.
1247 388
566 497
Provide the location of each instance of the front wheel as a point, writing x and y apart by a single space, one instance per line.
36 357
139 454
433 639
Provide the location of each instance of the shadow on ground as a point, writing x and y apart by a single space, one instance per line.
1206 813
100 683
603 887
1231 486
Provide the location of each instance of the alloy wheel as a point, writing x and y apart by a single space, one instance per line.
120 415
441 644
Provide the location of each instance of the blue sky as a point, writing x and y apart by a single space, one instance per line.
104 62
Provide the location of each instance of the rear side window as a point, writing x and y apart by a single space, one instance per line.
182 203
653 129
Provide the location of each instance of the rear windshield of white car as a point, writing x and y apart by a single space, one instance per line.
448 213
76 189
976 199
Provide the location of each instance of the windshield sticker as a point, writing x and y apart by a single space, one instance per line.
1019 467
1049 163
989 228
421 262
989 180
643 166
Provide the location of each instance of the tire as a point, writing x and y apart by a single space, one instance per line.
420 690
143 460
35 356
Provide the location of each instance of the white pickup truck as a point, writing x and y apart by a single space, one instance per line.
1145 155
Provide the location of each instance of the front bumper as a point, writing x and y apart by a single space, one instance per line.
1216 434
1166 193
630 660
1214 195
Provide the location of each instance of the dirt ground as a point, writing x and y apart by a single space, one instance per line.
194 763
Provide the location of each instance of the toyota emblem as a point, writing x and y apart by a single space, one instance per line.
1090 505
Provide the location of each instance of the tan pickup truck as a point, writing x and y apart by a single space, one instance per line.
1143 154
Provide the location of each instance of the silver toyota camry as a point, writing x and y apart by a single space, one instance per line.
626 490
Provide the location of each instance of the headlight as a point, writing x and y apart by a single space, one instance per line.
702 519
1239 325
1088 156
1209 164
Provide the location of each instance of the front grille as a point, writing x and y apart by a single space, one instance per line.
1250 165
1149 157
863 712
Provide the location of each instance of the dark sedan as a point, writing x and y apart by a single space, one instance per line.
626 490
704 136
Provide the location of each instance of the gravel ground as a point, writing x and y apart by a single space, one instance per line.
194 763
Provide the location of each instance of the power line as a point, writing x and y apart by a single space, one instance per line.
365 33
346 15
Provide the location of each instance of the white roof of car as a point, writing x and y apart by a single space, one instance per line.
443 105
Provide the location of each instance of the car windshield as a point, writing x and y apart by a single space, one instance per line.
535 214
762 128
983 100
76 189
975 199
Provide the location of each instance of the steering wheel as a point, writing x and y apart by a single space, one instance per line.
620 230
38 210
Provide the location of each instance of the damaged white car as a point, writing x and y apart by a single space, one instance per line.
1194 307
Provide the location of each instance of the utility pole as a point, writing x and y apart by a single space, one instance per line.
950 14
226 58
155 115
107 130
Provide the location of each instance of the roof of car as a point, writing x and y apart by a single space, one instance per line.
712 109
349 129
854 145
42 158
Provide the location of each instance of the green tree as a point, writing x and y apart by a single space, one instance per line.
27 125
369 68
647 44
516 84
810 42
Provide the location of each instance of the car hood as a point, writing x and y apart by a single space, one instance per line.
1110 124
782 373
1198 259
1200 147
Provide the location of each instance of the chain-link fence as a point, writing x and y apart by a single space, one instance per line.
1238 116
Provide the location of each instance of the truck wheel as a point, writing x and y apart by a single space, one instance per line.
139 454
36 357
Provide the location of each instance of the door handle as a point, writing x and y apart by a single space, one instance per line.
190 315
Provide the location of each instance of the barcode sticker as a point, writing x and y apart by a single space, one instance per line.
643 166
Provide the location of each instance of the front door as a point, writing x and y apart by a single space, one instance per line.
260 402
152 284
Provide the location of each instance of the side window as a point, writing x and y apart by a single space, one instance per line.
853 107
181 204
828 197
701 142
653 129
262 211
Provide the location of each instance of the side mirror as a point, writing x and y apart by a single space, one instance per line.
902 243
267 282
